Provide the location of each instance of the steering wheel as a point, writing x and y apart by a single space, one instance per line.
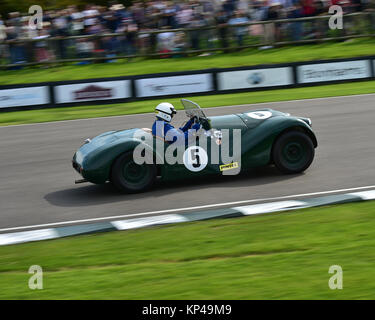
195 119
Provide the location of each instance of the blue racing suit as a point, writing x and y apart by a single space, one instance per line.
165 127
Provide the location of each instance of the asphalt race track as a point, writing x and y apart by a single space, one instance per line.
37 179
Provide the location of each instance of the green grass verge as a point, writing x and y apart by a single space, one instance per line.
273 256
57 114
351 48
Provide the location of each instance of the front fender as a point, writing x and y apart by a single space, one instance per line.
257 143
97 166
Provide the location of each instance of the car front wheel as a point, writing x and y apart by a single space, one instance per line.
130 177
293 152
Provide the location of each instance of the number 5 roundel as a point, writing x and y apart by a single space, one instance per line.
195 158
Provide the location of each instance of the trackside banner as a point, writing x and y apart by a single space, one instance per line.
94 91
333 71
243 79
19 97
163 86
178 84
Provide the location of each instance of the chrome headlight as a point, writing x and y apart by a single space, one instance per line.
86 142
306 120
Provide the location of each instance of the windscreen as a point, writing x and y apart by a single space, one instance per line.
192 109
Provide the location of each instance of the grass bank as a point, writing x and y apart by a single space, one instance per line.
273 256
58 114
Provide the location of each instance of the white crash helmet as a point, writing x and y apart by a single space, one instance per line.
165 111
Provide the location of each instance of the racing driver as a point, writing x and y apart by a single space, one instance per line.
164 114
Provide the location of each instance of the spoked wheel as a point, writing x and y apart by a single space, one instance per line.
131 177
293 152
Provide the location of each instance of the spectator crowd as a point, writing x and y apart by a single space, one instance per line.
133 26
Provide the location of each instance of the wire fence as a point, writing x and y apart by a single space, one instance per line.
175 43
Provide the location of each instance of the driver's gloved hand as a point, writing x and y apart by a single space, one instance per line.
187 125
196 126
190 122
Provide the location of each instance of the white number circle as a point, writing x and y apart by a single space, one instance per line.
195 158
260 115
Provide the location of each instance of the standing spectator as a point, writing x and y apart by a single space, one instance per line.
42 53
3 37
260 8
357 5
271 29
179 44
27 33
165 41
308 8
240 31
111 20
128 41
296 30
320 25
221 23
59 30
169 15
90 16
14 33
77 22
243 5
152 23
184 16
228 7
281 14
138 13
144 40
208 15
195 35
131 36
84 49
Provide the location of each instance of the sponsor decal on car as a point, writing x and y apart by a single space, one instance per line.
195 158
229 166
197 155
260 115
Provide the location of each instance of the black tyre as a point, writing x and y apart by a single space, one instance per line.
129 177
293 152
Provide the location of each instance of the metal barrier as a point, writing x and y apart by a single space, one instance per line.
189 41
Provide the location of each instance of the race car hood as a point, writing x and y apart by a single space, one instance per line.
232 121
102 141
110 136
256 117
246 120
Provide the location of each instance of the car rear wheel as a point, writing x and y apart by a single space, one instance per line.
293 152
130 177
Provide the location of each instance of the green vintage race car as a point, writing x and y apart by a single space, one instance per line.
264 137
